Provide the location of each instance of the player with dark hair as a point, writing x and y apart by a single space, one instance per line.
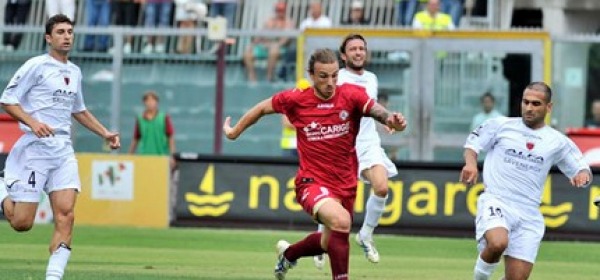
520 153
374 167
327 118
43 95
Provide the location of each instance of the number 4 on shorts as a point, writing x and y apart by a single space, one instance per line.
31 179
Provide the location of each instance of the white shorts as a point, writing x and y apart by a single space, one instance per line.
35 165
370 155
525 225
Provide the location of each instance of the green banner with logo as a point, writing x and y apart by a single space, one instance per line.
423 197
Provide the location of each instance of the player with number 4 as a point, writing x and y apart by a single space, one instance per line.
520 153
43 95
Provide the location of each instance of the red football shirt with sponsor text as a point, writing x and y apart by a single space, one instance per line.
326 132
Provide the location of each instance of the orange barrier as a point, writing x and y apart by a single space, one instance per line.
588 141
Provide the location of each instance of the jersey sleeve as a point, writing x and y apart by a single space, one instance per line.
484 136
20 84
282 101
362 101
571 161
78 105
169 130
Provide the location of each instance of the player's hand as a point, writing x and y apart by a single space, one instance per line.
228 130
389 130
396 121
581 180
113 139
469 174
41 130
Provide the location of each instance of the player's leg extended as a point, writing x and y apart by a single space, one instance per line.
337 221
378 176
63 205
19 207
20 215
516 269
496 241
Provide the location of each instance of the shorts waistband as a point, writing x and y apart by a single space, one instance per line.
59 133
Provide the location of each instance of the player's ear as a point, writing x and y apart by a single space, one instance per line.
48 38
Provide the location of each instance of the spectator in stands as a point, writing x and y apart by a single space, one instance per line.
269 48
405 10
157 13
594 122
187 15
153 131
454 8
65 7
126 13
432 19
488 103
316 18
97 14
15 12
224 8
357 14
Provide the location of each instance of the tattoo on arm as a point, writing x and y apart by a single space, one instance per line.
379 113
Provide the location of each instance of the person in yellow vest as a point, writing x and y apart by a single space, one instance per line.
432 19
288 138
288 132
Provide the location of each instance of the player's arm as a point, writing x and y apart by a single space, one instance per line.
574 166
38 128
264 107
393 120
135 139
88 120
469 173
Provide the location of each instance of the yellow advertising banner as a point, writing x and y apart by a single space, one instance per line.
119 190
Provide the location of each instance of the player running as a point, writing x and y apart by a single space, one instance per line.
43 95
520 153
374 166
327 119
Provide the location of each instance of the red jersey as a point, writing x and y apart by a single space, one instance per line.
326 132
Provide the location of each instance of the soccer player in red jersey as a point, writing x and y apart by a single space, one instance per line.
327 119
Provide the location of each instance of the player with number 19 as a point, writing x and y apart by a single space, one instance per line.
520 153
43 95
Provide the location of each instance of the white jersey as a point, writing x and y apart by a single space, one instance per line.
48 90
368 80
519 158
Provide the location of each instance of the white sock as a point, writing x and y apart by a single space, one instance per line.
57 262
375 207
483 270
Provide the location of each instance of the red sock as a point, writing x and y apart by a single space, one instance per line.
338 250
309 246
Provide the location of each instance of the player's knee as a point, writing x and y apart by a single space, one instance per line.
65 216
380 189
21 225
497 246
341 223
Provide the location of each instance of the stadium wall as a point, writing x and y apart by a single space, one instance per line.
425 198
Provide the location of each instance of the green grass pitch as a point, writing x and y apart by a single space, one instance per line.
132 253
